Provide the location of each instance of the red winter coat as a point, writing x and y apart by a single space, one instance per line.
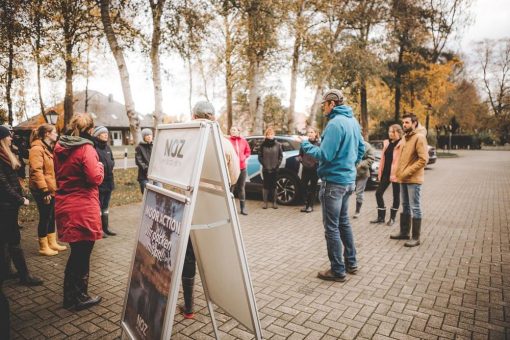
242 150
78 174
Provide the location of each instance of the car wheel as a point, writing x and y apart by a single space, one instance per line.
287 189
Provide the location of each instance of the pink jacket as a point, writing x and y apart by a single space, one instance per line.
242 150
396 156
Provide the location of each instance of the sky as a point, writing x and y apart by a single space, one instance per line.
490 20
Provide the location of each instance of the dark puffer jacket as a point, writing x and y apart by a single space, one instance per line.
104 152
11 195
142 159
270 154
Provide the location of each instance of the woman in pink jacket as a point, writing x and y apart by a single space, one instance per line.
387 168
243 152
78 173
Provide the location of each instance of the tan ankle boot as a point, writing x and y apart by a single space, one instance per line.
44 249
52 242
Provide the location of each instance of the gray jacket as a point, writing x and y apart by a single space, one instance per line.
270 154
363 168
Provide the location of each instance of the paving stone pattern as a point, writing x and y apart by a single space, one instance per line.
456 285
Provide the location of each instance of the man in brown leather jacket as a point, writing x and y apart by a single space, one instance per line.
410 174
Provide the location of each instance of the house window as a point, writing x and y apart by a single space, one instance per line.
116 137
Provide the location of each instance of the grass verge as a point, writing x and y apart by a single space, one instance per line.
126 191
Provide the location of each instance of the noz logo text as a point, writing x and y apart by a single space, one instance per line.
173 147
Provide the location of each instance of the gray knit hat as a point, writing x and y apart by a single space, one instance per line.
146 132
99 130
203 109
333 94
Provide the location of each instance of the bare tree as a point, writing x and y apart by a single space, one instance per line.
118 54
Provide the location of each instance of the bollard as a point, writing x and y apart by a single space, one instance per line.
125 158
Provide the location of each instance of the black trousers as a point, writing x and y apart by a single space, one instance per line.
309 179
379 193
239 187
9 229
189 269
4 303
77 270
46 215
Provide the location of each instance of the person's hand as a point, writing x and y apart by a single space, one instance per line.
47 199
25 201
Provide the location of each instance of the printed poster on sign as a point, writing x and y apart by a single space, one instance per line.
154 265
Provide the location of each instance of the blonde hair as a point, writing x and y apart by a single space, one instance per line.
80 122
398 129
269 130
6 149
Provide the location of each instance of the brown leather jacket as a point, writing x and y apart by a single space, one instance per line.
42 173
413 159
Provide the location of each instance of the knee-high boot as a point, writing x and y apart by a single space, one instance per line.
416 231
106 223
275 200
83 300
265 194
18 258
188 284
405 226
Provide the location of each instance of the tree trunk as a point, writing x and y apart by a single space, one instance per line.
157 11
398 84
68 99
134 122
38 29
312 119
87 76
256 109
8 86
190 77
229 82
364 108
295 67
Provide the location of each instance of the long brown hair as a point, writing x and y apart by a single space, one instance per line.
41 132
5 149
80 122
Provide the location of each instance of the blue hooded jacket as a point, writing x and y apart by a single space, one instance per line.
342 147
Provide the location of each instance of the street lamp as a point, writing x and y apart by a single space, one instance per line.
51 117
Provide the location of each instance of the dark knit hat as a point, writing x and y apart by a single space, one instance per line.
4 132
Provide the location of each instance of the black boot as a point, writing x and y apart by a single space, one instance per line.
83 300
18 258
106 224
381 215
415 241
358 209
188 284
265 194
405 227
275 200
242 205
70 290
393 215
11 273
305 208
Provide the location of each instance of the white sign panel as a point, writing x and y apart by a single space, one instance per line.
174 155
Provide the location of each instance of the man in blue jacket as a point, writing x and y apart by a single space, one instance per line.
342 148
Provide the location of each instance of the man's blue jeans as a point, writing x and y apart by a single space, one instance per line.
338 230
411 199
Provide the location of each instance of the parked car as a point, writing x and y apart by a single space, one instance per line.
288 184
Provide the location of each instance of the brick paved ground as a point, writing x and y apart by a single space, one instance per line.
455 285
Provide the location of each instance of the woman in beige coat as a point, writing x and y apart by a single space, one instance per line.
43 186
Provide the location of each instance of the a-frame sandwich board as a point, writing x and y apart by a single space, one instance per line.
194 201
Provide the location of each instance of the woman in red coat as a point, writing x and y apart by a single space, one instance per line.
78 173
243 151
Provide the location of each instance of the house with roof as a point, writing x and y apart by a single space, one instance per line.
103 108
